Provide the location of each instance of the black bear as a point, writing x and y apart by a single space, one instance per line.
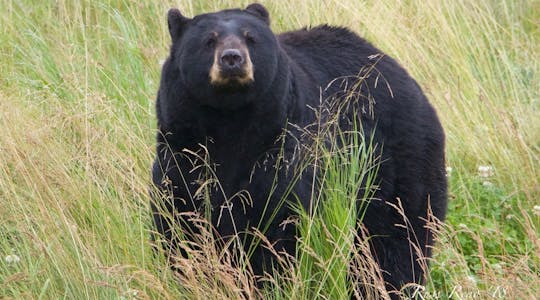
229 91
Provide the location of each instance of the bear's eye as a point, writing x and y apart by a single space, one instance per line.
249 37
211 39
210 42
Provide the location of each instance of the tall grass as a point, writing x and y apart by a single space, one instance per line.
328 229
77 88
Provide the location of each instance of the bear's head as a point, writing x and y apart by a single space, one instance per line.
224 59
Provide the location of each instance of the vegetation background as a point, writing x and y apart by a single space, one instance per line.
77 125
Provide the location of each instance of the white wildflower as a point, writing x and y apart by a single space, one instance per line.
509 216
161 61
498 267
485 171
130 294
472 279
536 210
448 171
487 183
12 259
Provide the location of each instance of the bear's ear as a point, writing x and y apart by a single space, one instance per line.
259 11
176 22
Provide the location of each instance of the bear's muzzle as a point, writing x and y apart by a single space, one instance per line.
232 64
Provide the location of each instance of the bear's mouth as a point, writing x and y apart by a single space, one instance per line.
241 76
232 84
228 81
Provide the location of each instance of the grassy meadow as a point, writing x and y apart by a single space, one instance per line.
78 81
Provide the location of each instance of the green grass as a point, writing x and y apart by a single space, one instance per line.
77 87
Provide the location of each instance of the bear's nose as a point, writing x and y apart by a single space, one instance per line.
231 59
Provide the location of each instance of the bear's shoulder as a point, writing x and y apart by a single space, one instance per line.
321 34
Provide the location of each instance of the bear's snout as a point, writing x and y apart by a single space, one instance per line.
231 60
232 64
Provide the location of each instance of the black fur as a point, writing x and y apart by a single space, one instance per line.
240 128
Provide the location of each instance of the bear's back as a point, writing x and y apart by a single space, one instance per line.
326 52
329 55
